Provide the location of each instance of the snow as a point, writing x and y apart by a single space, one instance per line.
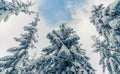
77 64
112 6
73 49
106 19
64 49
15 7
111 18
115 23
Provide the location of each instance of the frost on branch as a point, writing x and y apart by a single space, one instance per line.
18 62
63 56
107 23
14 7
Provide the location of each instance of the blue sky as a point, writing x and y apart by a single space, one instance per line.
56 11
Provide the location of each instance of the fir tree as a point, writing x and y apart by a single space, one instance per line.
19 60
14 7
107 22
63 56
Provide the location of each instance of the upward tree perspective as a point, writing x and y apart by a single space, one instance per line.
63 56
19 60
15 7
107 22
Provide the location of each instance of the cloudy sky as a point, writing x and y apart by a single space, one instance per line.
75 13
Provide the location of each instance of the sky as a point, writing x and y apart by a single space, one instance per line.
75 13
56 11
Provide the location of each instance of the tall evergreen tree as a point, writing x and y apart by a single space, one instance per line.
14 7
107 22
63 56
19 60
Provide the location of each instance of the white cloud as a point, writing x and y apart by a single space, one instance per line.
85 29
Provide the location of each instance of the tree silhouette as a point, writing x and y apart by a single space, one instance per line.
17 62
63 56
106 20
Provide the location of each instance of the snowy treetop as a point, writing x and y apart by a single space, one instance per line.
15 7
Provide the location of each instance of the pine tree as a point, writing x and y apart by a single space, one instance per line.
107 22
14 7
19 60
63 56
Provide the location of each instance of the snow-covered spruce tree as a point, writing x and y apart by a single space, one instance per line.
15 7
63 56
107 22
19 60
